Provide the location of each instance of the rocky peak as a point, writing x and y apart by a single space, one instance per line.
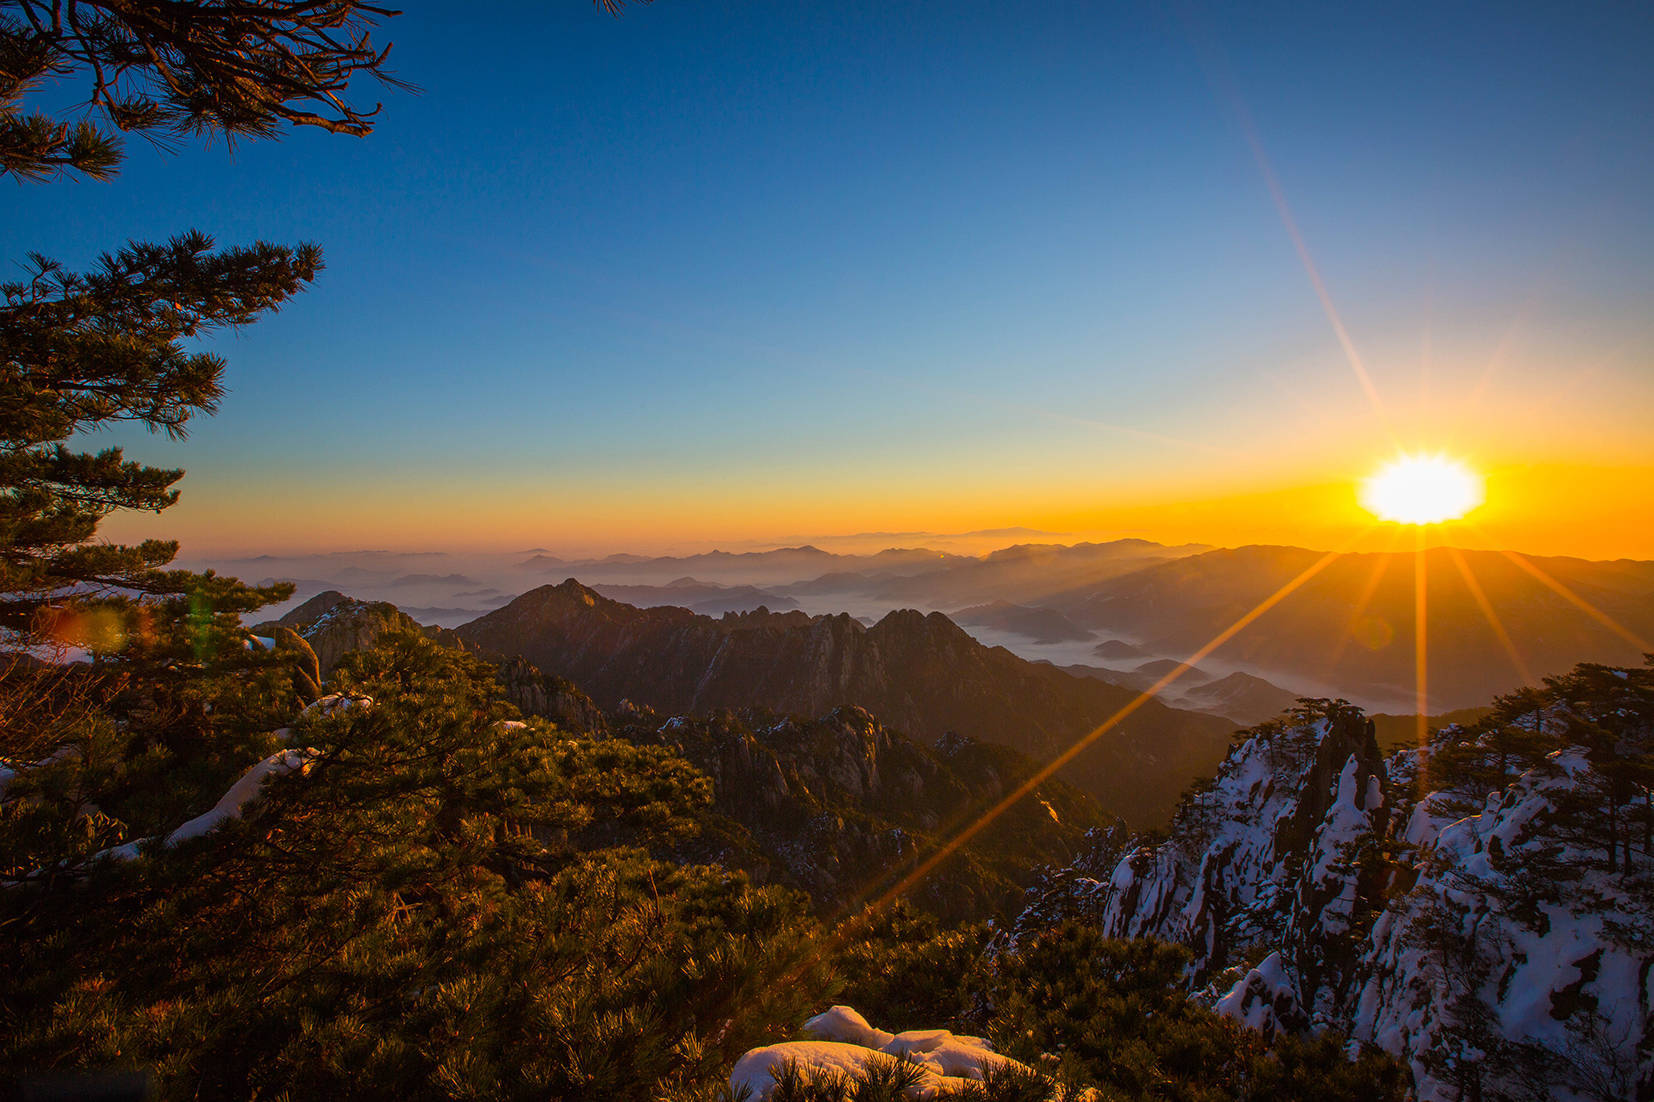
920 673
540 694
311 610
1273 834
762 618
334 625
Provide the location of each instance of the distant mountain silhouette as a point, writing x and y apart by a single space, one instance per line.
920 674
1241 697
1160 667
707 598
1027 574
434 579
782 565
1352 624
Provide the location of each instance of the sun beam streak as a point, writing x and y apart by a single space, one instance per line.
1421 653
1380 568
1045 772
1584 606
1491 616
820 947
1216 70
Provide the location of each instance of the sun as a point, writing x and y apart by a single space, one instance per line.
1422 489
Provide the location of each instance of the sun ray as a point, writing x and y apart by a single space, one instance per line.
856 913
1046 771
1223 87
1491 616
1581 603
1421 653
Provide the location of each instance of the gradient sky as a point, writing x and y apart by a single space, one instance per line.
717 272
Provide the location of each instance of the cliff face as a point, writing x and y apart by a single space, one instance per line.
920 674
540 694
1517 943
1490 933
1279 836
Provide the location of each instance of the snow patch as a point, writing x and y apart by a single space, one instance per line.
244 792
843 1043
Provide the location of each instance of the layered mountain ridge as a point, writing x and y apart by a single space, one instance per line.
919 673
835 804
1494 620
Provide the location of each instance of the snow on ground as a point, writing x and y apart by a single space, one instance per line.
250 786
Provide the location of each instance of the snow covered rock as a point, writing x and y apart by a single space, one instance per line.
1265 999
843 1023
1501 943
1268 858
1491 975
844 1044
335 703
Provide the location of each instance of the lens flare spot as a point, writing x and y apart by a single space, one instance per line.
1422 489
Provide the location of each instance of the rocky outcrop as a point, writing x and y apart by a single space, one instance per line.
1481 907
334 625
921 674
540 694
1277 836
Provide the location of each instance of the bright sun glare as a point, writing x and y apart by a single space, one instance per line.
1422 489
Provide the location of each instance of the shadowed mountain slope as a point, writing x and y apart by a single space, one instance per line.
920 674
842 807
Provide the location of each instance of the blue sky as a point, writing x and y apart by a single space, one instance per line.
715 270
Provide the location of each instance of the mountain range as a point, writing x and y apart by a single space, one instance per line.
921 674
1494 621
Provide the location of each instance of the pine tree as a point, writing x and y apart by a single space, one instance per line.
83 351
444 902
172 705
227 68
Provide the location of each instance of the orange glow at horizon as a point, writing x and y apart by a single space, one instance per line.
1548 508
